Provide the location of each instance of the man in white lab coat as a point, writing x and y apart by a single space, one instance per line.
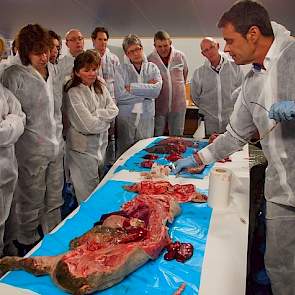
212 87
171 103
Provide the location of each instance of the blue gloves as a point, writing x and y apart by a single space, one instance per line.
282 111
184 163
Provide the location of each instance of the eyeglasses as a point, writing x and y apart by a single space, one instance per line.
133 51
205 51
76 39
253 142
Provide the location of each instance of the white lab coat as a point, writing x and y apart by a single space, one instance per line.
89 114
275 83
212 93
12 121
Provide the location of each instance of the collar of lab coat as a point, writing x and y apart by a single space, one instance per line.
171 53
281 35
225 60
105 53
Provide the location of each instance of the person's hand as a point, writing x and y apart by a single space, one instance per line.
127 87
184 163
282 111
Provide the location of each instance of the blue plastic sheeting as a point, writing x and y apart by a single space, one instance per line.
133 163
155 277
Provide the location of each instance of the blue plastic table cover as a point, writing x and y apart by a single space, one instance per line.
156 277
133 163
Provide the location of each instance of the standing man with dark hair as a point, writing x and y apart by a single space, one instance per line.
266 103
108 63
212 86
171 103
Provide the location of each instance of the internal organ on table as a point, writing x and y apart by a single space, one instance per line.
167 148
147 164
181 193
112 249
173 157
150 157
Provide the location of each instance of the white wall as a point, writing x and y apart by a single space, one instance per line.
189 46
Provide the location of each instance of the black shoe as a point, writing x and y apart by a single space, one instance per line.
24 249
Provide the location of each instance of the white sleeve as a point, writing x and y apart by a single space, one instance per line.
147 90
121 94
111 110
11 127
240 129
80 116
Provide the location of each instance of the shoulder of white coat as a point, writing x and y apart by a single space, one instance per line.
178 53
104 88
114 57
11 69
199 69
151 64
73 91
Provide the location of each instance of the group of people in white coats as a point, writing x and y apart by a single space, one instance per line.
144 94
75 98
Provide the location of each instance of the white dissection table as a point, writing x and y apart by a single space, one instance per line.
225 262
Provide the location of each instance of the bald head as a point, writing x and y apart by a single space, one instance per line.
209 48
75 42
208 41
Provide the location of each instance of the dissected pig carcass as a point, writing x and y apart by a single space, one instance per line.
115 247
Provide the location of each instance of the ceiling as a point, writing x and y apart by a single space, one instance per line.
181 18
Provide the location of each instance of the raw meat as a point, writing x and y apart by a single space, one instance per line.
120 243
168 148
157 171
182 193
179 140
174 157
151 157
195 170
147 164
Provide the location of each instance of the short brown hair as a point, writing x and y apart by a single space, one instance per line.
32 39
245 14
99 29
161 35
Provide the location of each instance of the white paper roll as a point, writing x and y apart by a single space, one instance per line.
219 188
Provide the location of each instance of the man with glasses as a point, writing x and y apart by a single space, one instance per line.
137 85
75 42
171 103
270 85
213 86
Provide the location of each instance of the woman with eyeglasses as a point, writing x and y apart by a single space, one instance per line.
137 84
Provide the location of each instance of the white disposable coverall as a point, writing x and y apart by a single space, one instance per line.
171 103
275 83
89 114
137 107
212 92
39 152
108 64
12 121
